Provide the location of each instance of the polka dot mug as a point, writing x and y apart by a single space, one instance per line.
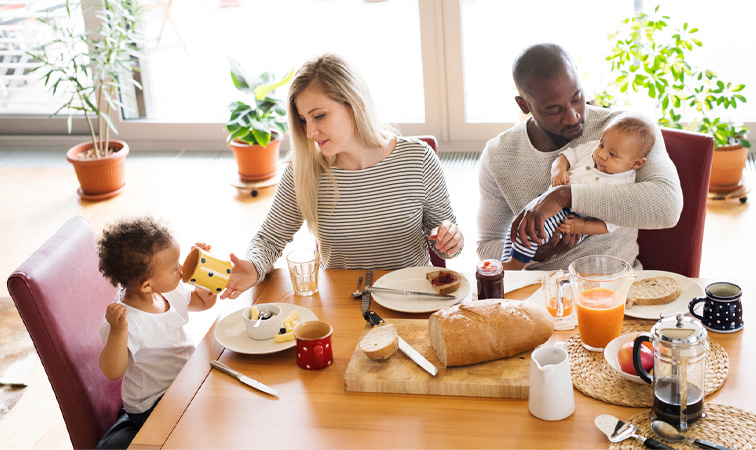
314 350
206 271
722 308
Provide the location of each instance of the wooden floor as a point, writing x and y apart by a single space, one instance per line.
201 205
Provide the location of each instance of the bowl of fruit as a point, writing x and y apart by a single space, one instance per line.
619 355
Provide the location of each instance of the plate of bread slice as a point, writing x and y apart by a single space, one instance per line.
429 279
656 293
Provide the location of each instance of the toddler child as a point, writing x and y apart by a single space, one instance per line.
143 332
622 149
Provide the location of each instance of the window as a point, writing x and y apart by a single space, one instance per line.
440 67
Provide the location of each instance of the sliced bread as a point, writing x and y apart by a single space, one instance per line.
653 291
444 281
380 343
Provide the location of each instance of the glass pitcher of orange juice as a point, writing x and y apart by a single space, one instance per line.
599 288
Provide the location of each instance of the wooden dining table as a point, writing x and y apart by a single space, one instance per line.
205 408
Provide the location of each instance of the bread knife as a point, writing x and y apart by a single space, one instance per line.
374 319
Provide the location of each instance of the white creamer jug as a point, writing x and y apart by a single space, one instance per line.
551 396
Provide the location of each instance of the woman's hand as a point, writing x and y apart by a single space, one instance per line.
243 276
448 238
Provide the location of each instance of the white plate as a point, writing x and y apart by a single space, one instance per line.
610 355
232 333
413 279
688 291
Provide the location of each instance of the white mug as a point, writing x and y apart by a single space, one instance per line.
551 396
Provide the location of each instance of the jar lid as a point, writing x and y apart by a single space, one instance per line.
489 267
679 330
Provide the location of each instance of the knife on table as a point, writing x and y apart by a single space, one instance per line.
243 378
617 430
379 290
374 319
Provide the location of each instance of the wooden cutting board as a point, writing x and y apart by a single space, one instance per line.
503 378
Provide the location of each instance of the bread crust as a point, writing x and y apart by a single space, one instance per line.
441 287
380 343
653 291
486 330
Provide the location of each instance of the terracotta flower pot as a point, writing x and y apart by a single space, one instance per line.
100 178
256 162
727 168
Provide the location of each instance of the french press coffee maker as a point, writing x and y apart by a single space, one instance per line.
679 365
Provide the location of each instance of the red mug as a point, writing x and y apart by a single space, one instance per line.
314 350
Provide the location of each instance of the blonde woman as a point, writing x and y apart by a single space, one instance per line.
364 192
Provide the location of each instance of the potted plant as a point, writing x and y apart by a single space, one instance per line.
256 128
89 67
648 57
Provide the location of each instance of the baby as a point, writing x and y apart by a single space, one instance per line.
613 159
143 329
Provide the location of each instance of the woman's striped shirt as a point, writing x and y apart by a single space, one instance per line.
375 221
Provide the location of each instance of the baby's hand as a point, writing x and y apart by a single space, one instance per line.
560 179
570 224
116 316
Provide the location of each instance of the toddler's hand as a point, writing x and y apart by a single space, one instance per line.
116 316
204 294
203 246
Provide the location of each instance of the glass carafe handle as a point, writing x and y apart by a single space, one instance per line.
560 282
645 376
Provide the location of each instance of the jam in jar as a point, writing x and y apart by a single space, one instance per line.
490 276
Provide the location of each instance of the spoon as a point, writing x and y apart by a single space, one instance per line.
263 315
670 433
358 292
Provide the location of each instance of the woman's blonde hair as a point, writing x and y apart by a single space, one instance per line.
335 79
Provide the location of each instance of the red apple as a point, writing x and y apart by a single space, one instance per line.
625 358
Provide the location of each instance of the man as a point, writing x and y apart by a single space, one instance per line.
515 168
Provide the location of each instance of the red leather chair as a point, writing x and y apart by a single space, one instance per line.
61 297
678 249
435 259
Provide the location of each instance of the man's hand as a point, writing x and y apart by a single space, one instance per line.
559 243
530 222
243 276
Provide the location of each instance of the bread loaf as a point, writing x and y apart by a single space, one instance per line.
381 342
485 330
653 291
444 281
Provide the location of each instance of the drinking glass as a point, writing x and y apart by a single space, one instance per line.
303 270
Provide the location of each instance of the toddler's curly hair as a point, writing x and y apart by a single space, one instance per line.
127 247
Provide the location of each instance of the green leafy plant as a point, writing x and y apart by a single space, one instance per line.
259 122
648 57
90 67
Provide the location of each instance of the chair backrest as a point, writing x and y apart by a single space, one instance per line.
678 249
61 297
435 259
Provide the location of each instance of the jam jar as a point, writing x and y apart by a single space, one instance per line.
490 276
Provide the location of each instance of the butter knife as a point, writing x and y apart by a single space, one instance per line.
243 378
377 289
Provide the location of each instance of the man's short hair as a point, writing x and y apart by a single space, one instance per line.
539 61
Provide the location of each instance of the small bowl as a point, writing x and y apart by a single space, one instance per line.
610 355
268 328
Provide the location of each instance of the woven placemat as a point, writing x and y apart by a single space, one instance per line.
725 425
593 376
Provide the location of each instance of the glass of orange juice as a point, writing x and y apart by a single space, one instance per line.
599 286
